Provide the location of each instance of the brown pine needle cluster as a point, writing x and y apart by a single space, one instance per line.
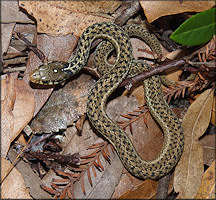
201 81
134 116
183 88
62 188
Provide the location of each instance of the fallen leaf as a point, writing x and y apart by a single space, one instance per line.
7 119
125 184
148 141
64 17
17 106
64 106
13 186
189 170
208 145
6 33
145 190
155 9
10 13
207 187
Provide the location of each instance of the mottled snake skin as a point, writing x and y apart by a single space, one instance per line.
55 72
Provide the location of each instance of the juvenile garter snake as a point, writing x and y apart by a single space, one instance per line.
56 72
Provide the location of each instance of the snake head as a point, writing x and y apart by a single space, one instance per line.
49 73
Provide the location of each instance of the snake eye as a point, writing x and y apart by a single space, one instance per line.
55 70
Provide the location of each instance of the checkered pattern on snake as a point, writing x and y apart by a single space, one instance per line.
55 72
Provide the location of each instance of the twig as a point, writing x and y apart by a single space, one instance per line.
32 47
13 163
154 71
73 159
37 142
127 13
17 69
92 71
209 64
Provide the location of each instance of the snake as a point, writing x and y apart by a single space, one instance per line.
104 49
56 72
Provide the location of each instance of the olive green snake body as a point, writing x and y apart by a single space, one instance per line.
56 72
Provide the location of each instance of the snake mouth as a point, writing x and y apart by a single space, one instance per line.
36 77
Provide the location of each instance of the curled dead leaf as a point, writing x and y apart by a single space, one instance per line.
188 172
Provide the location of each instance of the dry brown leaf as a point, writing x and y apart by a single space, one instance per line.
64 106
155 9
10 13
6 33
208 145
188 172
145 190
64 17
13 186
207 188
148 141
17 106
7 118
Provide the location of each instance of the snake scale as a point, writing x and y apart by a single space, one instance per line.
56 72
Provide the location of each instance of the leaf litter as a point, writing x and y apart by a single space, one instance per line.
91 172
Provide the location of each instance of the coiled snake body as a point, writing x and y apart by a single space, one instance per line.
55 72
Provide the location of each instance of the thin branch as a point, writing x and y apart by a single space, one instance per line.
130 10
154 71
17 69
31 46
209 64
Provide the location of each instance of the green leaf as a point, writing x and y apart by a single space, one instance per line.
197 30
